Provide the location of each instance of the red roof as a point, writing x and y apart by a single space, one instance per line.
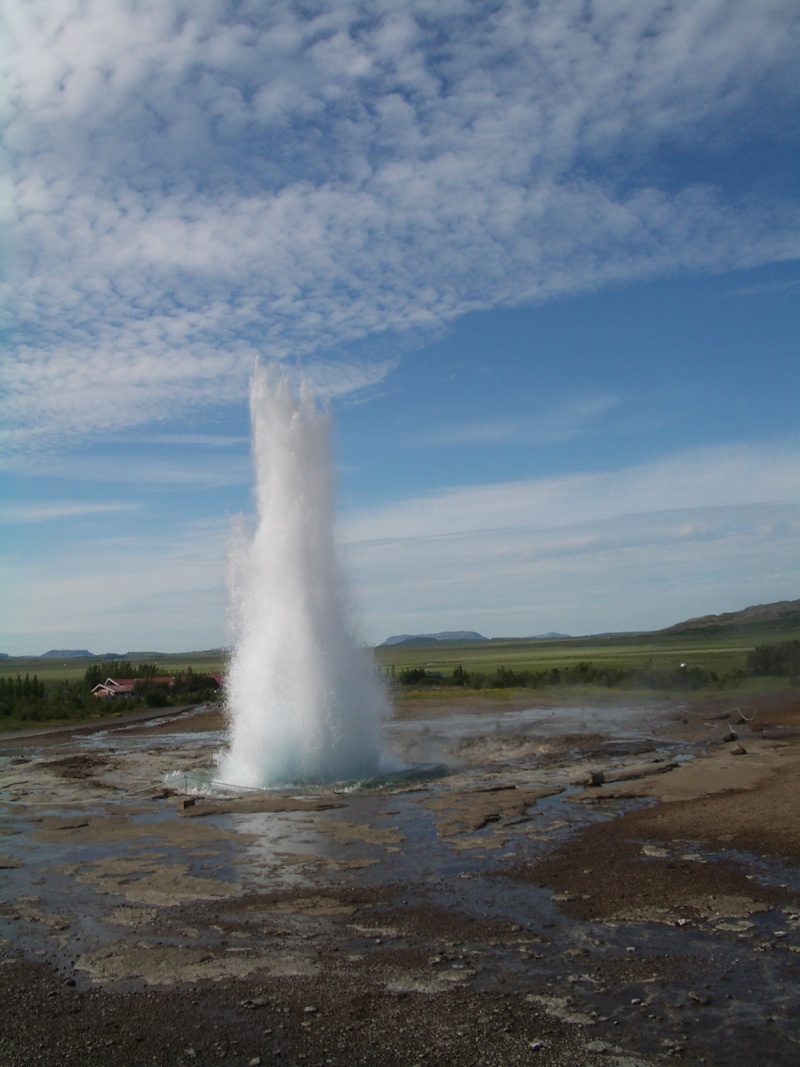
124 686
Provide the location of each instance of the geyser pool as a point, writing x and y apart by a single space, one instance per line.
304 701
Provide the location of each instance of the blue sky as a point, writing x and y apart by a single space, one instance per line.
542 259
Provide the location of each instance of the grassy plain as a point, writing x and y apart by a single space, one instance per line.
722 649
722 653
73 669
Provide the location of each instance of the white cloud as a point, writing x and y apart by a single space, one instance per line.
208 471
631 549
200 440
714 477
542 425
194 187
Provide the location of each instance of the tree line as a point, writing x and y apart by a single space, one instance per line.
29 699
117 668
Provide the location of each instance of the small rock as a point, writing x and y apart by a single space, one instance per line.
310 1010
699 998
536 1046
596 778
258 1002
675 1050
737 750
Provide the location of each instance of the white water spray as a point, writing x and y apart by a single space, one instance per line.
304 702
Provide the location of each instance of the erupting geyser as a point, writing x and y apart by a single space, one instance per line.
304 701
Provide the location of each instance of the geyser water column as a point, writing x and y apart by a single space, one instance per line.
304 701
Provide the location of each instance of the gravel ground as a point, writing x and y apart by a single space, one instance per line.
504 913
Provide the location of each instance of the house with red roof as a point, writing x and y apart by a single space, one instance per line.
112 688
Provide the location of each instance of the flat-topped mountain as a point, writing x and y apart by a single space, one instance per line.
65 653
430 639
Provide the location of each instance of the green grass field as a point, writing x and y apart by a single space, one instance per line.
722 654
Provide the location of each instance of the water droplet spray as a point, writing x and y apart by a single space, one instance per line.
304 701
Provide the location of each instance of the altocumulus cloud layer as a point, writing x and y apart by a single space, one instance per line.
197 182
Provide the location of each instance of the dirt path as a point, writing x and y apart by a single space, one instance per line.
58 732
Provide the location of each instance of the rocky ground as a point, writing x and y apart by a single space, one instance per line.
569 886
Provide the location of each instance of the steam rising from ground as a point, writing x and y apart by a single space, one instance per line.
304 701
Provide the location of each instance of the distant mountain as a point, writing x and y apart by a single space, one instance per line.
431 639
552 636
783 614
66 653
134 657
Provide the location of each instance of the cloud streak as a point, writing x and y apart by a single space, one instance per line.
196 185
21 514
721 477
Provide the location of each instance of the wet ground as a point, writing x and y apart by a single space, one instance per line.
583 885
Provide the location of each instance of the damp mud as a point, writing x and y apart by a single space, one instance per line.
526 885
